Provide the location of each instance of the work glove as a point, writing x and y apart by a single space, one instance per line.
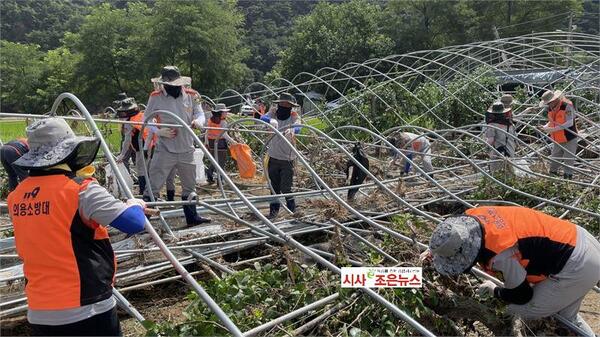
274 122
134 202
167 132
425 256
486 289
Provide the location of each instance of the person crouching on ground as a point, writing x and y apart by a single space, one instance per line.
281 156
9 153
548 264
412 146
59 223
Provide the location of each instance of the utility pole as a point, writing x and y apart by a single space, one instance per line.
497 37
569 39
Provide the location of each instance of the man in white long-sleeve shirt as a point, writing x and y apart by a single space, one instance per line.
175 148
562 129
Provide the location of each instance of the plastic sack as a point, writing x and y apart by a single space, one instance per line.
113 184
199 161
243 157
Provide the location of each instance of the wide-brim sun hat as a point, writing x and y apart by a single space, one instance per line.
550 96
498 108
170 75
220 107
127 108
455 244
286 97
52 142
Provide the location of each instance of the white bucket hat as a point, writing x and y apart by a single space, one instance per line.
455 244
52 142
550 96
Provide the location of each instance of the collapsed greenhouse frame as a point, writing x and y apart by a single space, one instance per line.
351 85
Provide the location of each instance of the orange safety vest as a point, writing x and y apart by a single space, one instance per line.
559 116
545 243
67 263
212 133
139 117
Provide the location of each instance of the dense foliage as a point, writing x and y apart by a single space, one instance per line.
97 48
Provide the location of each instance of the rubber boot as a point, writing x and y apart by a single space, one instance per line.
142 182
170 195
291 204
568 176
273 211
191 214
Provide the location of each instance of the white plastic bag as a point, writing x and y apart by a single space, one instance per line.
199 160
113 184
522 168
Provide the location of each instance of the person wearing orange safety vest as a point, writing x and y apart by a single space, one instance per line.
562 129
59 214
9 153
217 137
128 110
548 264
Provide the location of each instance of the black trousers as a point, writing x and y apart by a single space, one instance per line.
222 150
104 324
8 155
281 175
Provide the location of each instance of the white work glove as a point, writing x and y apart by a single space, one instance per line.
134 202
274 123
425 256
289 134
196 124
486 289
167 132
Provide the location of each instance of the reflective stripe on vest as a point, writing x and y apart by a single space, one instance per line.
557 117
213 133
67 264
545 243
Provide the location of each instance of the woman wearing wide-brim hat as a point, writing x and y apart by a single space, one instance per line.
501 135
59 215
562 128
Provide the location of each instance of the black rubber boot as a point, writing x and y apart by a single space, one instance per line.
568 176
191 214
142 182
170 195
291 204
273 210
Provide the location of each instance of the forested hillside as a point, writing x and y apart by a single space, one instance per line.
98 48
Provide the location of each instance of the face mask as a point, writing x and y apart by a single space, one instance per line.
173 91
283 113
216 117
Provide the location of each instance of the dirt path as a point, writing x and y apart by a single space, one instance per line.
590 310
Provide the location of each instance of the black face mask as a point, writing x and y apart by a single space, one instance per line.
216 117
173 91
283 113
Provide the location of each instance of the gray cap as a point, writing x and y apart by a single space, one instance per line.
51 141
455 244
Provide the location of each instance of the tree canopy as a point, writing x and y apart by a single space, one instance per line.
97 48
